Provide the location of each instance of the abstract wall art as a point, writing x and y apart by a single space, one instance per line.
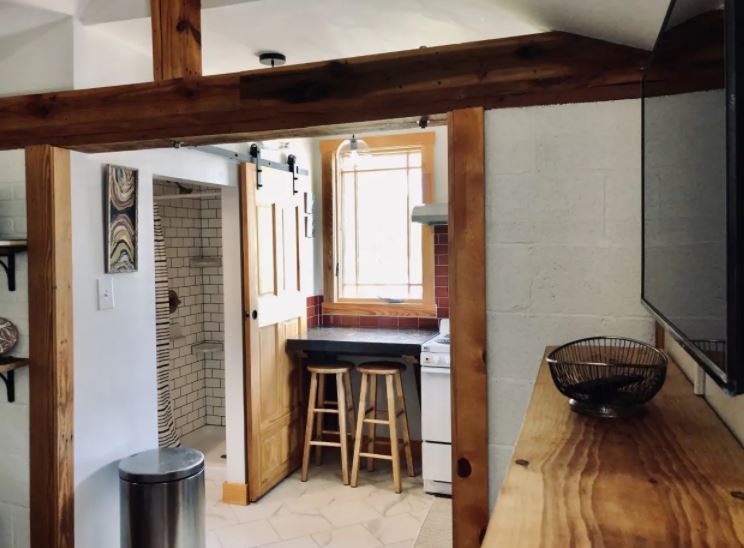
120 197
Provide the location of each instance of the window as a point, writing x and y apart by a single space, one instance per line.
382 263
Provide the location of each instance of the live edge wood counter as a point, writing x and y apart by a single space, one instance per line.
671 478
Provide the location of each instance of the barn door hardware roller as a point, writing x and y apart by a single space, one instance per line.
255 153
292 163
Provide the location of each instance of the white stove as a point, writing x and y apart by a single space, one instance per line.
438 345
436 413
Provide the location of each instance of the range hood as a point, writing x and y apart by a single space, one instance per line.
430 214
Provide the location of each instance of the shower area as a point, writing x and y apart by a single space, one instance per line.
190 316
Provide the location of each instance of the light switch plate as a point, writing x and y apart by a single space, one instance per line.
105 293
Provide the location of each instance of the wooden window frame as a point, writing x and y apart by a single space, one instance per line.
332 303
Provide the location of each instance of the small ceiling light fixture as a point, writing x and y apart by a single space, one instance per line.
351 150
272 58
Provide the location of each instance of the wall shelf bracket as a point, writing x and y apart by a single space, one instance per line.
8 366
9 267
9 380
8 250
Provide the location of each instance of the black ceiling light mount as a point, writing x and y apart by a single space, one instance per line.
272 58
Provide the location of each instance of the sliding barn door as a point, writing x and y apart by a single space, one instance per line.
275 307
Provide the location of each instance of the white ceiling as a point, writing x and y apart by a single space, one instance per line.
631 22
106 11
17 19
233 31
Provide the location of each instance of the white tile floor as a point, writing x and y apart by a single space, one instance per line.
321 512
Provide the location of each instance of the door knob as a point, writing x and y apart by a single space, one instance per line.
254 314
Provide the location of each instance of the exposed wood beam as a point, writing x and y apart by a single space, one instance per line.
394 124
546 68
467 298
50 328
176 39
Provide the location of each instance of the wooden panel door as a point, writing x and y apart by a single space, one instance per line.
272 224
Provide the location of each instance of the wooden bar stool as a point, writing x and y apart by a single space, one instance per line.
391 371
318 405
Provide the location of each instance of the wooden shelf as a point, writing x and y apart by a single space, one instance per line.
671 478
13 244
8 365
207 347
205 262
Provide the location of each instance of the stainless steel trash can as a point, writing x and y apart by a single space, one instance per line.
162 499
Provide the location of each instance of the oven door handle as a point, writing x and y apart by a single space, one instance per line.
435 370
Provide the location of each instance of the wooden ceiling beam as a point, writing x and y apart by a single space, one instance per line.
176 39
395 124
547 68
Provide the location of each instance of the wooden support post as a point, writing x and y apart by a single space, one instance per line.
467 295
50 337
659 335
176 39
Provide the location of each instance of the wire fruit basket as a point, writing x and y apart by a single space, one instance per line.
609 377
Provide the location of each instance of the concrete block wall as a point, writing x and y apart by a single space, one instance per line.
14 433
563 234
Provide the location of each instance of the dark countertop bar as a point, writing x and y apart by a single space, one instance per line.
365 341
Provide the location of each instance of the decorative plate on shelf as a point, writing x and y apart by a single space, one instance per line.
8 336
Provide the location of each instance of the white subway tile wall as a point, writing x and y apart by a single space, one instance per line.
214 322
563 234
192 230
14 427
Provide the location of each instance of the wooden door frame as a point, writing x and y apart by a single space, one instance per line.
50 295
467 307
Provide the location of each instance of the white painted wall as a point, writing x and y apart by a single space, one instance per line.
563 232
14 447
233 309
114 350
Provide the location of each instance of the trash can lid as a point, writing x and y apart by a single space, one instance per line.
161 465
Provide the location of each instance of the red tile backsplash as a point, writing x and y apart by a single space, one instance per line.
316 318
314 312
441 270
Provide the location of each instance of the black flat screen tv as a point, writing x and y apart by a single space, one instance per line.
693 156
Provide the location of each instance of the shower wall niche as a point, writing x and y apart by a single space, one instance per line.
192 231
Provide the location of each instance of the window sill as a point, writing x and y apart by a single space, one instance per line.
418 310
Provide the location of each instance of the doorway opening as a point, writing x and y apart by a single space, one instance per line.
190 319
467 378
286 223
